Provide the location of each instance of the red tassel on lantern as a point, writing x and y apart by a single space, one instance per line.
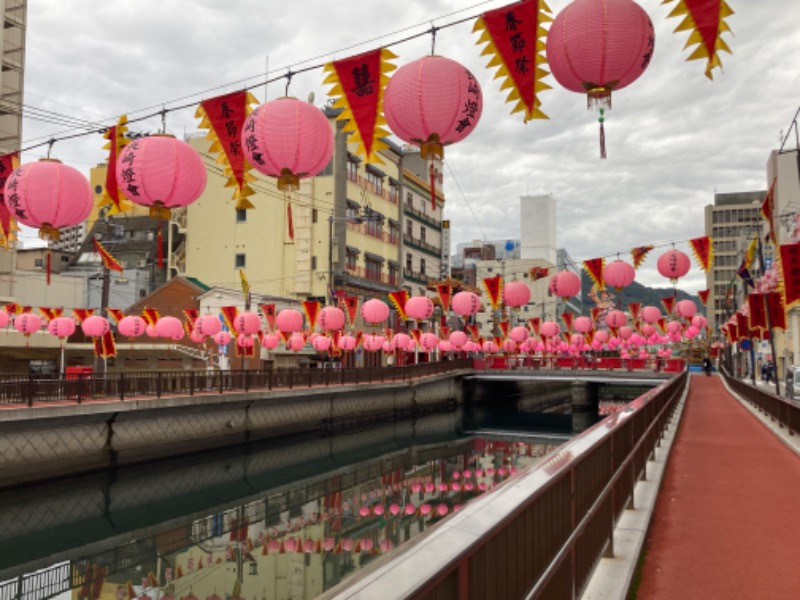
48 265
160 248
432 172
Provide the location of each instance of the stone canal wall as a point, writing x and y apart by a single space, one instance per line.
46 442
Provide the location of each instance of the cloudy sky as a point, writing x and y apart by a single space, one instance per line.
673 136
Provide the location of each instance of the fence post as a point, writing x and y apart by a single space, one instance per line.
291 378
158 384
122 386
246 380
30 390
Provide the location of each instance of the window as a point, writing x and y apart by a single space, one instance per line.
352 170
314 215
422 266
351 261
373 269
376 181
409 262
313 263
393 274
241 215
394 232
394 192
38 262
240 261
410 199
410 228
374 224
422 234
142 293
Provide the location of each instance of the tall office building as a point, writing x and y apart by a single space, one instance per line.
731 222
12 55
538 231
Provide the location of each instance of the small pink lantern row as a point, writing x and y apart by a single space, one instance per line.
673 264
289 320
518 334
161 172
27 323
331 318
428 341
321 343
509 346
419 308
490 347
95 326
619 274
288 139
347 343
247 323
582 324
48 195
374 311
699 321
61 327
373 343
616 319
296 342
458 339
431 103
651 314
400 341
516 294
222 338
197 337
270 341
466 303
550 329
565 284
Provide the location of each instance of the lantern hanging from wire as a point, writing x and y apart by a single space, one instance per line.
673 264
161 172
596 47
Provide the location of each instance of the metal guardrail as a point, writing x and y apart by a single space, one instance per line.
542 536
780 410
33 390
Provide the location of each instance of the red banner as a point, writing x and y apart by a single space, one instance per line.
534 324
742 326
758 312
639 253
117 140
705 19
790 264
50 313
703 251
594 268
150 316
445 292
538 273
703 294
229 314
473 331
191 315
311 308
116 314
109 262
777 310
634 308
669 304
269 314
398 300
494 288
82 314
567 318
358 84
514 37
504 327
224 117
351 303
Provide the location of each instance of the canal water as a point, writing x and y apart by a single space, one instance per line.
288 518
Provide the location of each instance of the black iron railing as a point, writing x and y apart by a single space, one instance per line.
785 412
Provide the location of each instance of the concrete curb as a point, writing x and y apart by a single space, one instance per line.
612 578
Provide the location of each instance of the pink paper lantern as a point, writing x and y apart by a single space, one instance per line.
616 319
428 341
169 327
516 294
296 342
673 264
347 343
373 343
549 329
419 308
387 347
27 323
699 321
618 274
244 341
625 332
162 172
222 338
509 346
576 340
490 347
331 318
150 330
458 339
445 346
289 320
685 309
374 311
270 341
61 327
288 139
95 326
595 47
691 332
651 314
4 319
565 284
518 334
208 325
466 303
674 327
400 341
197 337
601 336
247 323
431 103
48 195
582 324
321 343
648 330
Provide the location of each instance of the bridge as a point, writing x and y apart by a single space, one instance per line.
708 519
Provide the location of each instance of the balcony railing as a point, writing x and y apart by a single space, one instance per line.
422 216
369 275
425 246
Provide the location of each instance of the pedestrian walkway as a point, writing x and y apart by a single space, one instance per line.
727 520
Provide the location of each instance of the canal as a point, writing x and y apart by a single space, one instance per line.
286 518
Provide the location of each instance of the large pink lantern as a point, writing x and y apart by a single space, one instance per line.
95 326
432 102
685 309
419 308
699 321
518 334
321 343
373 343
651 314
270 341
619 274
428 341
458 339
27 323
550 329
169 327
131 326
400 341
289 320
595 47
162 172
331 318
247 323
565 284
616 319
48 195
582 324
288 139
347 343
61 327
296 342
374 311
516 294
673 264
466 303
208 325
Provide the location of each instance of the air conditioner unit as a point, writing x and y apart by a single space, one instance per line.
141 264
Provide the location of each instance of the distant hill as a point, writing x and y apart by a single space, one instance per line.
636 292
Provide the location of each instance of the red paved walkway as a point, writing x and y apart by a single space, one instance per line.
727 520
